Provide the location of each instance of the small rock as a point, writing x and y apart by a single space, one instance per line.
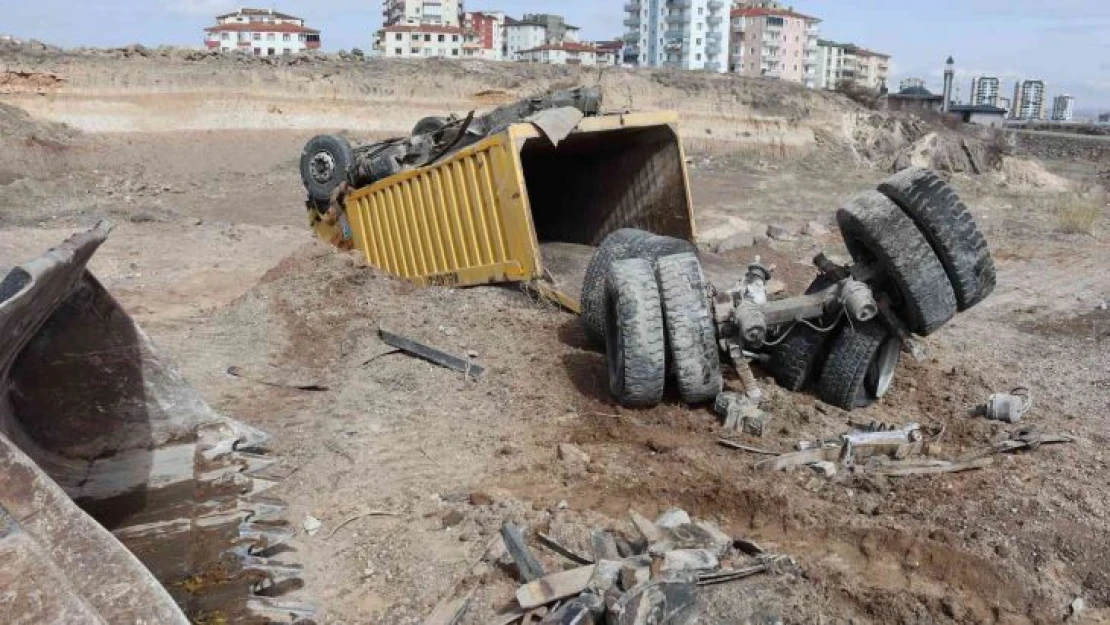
779 233
815 229
824 468
734 242
690 560
311 525
673 518
453 518
562 505
142 218
1076 607
480 499
572 454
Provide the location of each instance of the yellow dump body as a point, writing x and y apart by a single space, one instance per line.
480 215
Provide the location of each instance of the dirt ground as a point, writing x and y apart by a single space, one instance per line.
212 255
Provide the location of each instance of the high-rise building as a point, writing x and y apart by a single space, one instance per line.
774 42
683 34
837 62
1015 103
429 12
949 78
1063 107
984 91
1005 104
1031 103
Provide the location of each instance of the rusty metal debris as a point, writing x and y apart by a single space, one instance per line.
431 354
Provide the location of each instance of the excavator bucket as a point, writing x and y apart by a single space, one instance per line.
124 497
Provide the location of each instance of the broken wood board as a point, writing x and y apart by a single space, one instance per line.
800 458
554 587
927 467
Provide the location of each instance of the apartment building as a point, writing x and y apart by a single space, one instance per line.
485 35
522 35
984 91
838 62
775 43
1063 108
1029 100
566 53
438 12
556 28
261 32
681 34
609 52
407 41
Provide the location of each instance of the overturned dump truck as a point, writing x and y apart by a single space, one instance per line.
594 210
124 498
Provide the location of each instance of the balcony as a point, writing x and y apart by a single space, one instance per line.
678 18
674 33
715 5
632 37
632 22
712 48
713 21
632 7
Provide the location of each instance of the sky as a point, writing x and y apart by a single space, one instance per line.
1066 43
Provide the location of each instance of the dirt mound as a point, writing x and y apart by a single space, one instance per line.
1024 174
17 126
947 151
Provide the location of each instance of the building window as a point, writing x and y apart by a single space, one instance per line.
699 42
398 36
287 37
397 51
416 50
258 51
269 36
287 52
269 51
442 38
697 57
701 10
454 37
427 37
225 36
257 36
455 52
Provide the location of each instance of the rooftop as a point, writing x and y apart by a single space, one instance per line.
259 27
248 12
763 12
976 108
565 47
423 28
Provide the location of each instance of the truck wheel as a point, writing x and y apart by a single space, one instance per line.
691 331
797 359
634 338
325 160
860 366
428 124
878 234
656 246
618 245
950 229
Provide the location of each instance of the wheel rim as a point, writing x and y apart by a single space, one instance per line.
880 374
322 167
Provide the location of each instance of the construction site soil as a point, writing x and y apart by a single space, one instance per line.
212 256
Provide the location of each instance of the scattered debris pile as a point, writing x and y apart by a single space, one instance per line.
647 580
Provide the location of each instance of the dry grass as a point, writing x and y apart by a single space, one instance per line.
1079 214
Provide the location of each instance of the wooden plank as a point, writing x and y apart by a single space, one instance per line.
449 612
724 442
554 587
430 354
896 469
529 567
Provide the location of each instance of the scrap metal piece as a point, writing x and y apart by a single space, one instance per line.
431 354
1008 407
527 565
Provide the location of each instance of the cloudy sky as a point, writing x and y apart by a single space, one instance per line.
1064 42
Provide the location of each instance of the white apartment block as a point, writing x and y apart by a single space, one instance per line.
441 12
521 35
261 32
838 62
984 91
407 41
682 34
567 53
1063 108
774 42
1030 102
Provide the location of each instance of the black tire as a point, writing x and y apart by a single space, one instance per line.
429 124
691 330
619 245
950 229
796 361
634 336
878 234
852 376
325 161
655 246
